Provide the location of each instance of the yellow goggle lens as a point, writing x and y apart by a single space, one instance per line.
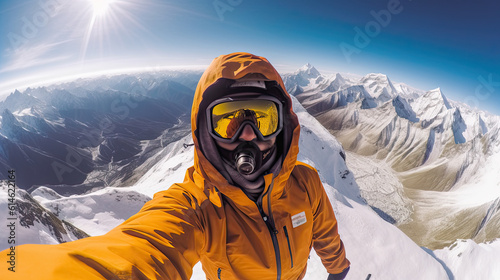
227 117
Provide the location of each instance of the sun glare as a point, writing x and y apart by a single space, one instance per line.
100 6
99 18
108 21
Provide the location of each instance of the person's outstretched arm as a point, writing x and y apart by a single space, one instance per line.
326 239
162 241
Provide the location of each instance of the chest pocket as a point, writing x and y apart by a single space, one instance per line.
298 237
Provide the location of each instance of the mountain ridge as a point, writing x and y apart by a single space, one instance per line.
430 144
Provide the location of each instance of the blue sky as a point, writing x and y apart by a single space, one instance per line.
425 44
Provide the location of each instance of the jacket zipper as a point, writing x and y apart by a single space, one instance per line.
219 273
272 230
289 246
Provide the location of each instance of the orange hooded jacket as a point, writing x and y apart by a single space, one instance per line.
206 219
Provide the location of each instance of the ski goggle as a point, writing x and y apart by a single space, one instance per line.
228 116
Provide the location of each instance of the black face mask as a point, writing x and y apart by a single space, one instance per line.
247 157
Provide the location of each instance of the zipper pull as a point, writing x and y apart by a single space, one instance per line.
271 226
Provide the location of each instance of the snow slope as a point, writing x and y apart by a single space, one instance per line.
34 223
465 259
96 212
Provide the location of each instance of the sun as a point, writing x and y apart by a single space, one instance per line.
100 18
100 6
108 20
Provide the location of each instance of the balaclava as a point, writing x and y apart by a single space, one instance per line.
268 161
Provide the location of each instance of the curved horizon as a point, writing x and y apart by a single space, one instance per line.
425 44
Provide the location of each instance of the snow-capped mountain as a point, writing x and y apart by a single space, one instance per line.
92 132
431 104
379 87
306 76
433 148
34 223
408 91
392 152
308 72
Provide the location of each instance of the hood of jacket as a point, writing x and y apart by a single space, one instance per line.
214 84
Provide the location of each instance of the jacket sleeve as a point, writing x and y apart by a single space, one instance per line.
162 241
326 239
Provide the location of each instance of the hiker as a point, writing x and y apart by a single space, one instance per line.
247 209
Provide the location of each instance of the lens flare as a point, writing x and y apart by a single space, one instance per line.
110 21
100 7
